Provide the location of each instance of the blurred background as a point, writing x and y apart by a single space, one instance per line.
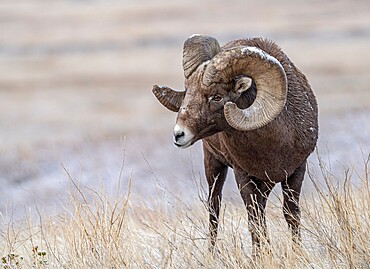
76 79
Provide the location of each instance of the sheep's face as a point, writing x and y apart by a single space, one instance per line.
201 113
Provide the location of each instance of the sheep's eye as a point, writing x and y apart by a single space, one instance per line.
216 98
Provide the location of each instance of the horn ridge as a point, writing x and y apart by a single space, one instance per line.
197 50
168 98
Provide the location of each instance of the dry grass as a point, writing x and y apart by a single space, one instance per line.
105 230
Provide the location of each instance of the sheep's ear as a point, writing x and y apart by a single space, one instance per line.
169 98
242 84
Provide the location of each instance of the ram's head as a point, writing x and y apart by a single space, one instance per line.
215 81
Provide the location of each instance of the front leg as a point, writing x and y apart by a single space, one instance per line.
254 193
216 174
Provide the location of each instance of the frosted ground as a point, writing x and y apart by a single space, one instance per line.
76 79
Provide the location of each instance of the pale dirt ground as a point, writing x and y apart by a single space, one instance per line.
76 77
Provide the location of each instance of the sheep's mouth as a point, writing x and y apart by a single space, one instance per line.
202 134
184 146
208 131
188 143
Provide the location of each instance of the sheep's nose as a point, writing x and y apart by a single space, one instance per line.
182 137
178 134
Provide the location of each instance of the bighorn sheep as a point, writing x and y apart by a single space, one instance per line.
255 113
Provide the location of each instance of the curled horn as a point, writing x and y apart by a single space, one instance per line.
268 75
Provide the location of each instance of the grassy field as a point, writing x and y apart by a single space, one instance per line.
104 230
